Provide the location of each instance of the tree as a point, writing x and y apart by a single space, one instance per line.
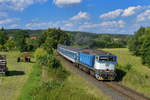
3 37
134 43
9 45
145 47
20 40
31 44
49 45
51 37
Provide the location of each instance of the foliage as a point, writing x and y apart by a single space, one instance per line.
3 36
40 52
49 61
31 44
145 47
139 45
135 43
134 73
1 47
49 45
51 37
20 40
105 41
9 45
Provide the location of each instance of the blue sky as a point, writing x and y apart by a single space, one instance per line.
98 16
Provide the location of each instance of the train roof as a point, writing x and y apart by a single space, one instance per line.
95 52
87 51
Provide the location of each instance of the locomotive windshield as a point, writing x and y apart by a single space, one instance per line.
107 58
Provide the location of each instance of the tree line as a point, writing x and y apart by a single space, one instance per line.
100 41
22 41
139 44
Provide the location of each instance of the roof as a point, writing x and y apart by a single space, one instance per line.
87 51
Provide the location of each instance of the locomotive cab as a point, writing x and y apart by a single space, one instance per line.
105 66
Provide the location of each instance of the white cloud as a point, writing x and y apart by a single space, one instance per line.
42 25
3 14
131 11
14 26
18 5
112 14
63 3
68 25
144 16
7 21
105 24
119 23
123 12
81 16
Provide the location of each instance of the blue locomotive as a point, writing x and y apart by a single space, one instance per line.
98 63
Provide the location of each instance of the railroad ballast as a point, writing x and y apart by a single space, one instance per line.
98 63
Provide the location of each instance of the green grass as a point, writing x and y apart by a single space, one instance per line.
33 82
137 75
72 88
11 86
81 88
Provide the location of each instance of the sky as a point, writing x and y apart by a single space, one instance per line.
97 16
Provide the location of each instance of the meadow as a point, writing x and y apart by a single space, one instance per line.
18 74
134 74
29 81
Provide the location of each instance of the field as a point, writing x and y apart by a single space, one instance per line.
48 86
25 78
83 85
11 86
134 74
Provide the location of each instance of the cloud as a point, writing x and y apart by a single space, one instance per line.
144 16
14 26
112 14
105 24
8 21
17 5
68 25
131 11
80 16
3 14
122 12
63 3
43 25
119 23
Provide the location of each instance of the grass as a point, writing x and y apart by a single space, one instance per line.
58 84
137 75
11 86
72 88
33 82
82 86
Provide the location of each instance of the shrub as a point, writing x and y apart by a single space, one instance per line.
49 61
39 53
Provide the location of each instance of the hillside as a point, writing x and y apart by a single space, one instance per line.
93 35
133 73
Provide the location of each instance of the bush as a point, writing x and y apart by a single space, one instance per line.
40 52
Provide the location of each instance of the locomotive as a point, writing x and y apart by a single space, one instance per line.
98 63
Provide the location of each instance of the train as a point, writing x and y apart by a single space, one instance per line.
98 63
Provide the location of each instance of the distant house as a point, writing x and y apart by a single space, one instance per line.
34 37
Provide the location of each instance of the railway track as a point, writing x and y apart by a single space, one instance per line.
113 89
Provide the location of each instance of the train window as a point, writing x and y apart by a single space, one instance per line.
112 58
103 58
107 58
